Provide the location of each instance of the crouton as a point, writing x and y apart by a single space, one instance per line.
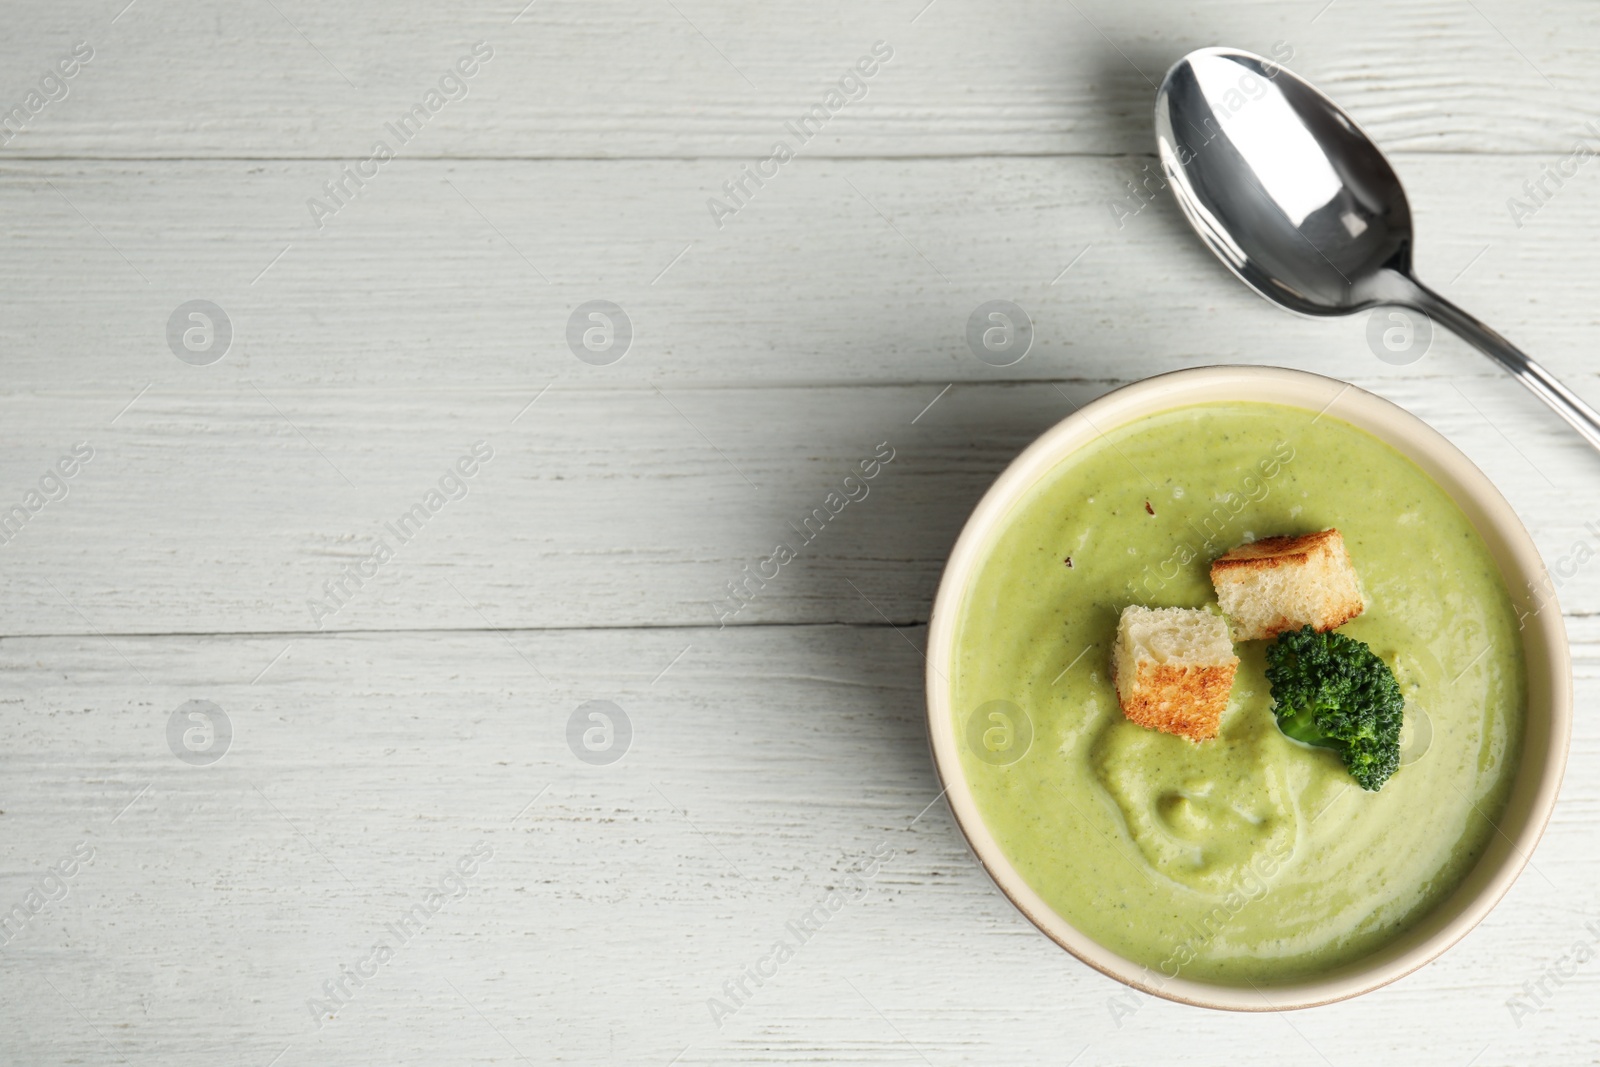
1284 583
1173 669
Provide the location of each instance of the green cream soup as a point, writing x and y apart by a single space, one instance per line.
1251 857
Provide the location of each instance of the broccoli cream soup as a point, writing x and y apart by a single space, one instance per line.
1250 857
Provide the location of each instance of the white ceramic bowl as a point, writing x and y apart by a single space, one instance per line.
1549 708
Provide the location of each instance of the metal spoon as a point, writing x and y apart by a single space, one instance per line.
1297 200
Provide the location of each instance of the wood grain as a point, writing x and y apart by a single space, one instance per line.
618 899
442 274
230 508
632 78
374 747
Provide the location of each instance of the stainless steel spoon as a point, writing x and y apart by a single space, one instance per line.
1301 204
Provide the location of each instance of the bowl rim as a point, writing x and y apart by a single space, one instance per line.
1549 672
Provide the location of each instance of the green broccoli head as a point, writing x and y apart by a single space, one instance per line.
1331 690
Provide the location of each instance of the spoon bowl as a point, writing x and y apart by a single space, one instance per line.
1302 205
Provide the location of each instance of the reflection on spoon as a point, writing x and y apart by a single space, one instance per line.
1289 192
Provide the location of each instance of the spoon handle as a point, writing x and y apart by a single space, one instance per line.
1564 401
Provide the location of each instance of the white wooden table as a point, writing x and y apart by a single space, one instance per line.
419 718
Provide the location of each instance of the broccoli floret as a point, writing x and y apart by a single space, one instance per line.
1331 690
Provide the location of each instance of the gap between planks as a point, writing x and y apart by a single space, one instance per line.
415 630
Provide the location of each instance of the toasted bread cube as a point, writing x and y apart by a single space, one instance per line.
1284 583
1173 668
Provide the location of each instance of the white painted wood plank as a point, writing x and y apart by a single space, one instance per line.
718 77
230 507
818 321
441 274
618 898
